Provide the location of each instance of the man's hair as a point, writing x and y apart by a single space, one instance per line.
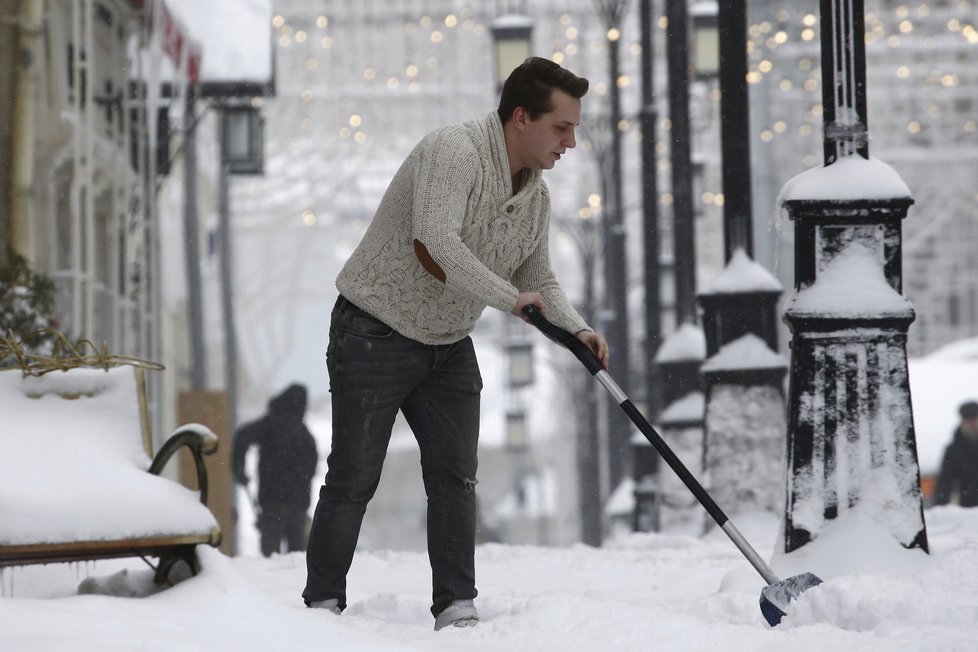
530 85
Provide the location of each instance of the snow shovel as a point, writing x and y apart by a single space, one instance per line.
778 593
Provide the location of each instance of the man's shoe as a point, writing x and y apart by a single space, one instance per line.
332 605
461 613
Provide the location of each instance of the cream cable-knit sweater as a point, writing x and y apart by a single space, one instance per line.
454 194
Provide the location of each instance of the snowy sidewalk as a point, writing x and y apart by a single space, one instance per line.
646 592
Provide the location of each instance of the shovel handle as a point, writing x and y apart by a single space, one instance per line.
593 365
564 338
584 354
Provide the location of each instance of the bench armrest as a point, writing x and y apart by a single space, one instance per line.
200 440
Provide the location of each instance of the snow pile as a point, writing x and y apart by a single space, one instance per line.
873 585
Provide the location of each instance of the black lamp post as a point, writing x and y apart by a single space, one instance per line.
735 129
858 447
241 141
589 456
616 278
646 463
684 250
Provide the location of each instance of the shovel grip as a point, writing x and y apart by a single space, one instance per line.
564 338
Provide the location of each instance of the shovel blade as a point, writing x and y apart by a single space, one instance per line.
775 597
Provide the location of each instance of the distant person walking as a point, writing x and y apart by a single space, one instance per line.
287 459
959 470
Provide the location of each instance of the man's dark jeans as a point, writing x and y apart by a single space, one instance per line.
373 373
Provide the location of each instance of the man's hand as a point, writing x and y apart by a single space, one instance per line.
597 344
527 299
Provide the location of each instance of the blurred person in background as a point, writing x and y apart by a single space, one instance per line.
959 470
287 459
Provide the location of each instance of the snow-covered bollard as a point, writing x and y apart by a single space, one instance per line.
743 446
661 499
681 426
850 421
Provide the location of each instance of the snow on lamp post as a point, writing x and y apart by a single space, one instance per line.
851 442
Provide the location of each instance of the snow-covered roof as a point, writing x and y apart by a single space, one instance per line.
235 36
512 21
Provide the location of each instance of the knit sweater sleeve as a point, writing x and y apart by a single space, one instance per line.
447 173
536 275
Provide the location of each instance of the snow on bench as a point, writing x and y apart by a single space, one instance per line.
77 480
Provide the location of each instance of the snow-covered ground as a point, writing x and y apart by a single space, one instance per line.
649 591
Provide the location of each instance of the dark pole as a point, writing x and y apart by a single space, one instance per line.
650 229
588 447
198 352
616 282
650 211
227 291
684 251
843 79
735 128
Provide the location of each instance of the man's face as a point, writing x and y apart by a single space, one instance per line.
547 138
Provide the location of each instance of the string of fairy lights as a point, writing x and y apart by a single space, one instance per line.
338 50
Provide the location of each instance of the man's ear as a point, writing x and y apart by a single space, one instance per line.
520 118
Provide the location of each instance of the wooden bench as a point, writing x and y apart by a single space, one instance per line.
78 478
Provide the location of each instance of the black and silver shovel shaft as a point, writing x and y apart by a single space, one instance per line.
593 365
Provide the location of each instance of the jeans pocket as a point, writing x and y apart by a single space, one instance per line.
358 323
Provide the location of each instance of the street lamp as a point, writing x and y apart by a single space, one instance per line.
242 140
241 134
519 356
516 435
512 37
706 40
